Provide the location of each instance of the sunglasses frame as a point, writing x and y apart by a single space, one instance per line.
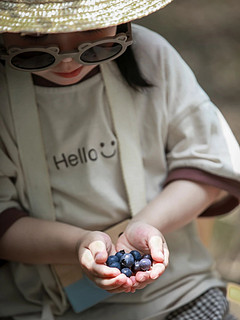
122 38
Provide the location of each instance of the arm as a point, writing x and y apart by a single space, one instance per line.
35 241
31 240
179 203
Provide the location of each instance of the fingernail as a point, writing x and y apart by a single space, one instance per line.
154 276
160 256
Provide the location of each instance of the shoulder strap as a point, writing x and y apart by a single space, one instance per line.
125 125
30 143
32 155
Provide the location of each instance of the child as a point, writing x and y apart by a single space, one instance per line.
78 62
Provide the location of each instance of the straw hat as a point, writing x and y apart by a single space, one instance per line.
49 16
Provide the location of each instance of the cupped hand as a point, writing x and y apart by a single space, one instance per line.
148 240
93 251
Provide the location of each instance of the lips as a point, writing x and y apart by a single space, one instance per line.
71 74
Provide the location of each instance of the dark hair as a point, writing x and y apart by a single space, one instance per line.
130 71
128 65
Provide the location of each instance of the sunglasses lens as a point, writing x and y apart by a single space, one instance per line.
101 52
32 60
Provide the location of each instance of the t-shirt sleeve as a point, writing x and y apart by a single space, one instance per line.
8 178
196 135
225 204
200 145
9 217
10 208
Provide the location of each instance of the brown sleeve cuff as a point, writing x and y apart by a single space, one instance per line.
9 217
231 186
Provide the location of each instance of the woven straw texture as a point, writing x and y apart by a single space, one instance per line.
67 16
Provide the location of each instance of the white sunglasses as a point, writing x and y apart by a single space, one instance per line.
95 52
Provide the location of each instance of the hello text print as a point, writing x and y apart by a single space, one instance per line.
84 155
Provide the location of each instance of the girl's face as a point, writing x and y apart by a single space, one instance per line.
68 71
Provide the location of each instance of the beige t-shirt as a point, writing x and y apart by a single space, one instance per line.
88 190
179 128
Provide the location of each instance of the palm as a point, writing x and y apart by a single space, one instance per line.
136 236
130 243
144 238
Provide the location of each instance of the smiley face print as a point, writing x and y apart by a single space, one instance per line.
108 150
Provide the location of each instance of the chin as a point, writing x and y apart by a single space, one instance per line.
64 81
61 80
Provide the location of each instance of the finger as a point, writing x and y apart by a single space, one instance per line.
95 270
104 271
141 285
126 287
156 248
166 254
86 259
113 283
157 270
141 276
133 279
98 250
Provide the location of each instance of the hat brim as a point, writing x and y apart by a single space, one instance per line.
46 16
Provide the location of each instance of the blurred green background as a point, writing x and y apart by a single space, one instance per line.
207 35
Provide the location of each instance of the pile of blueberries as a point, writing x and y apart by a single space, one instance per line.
130 263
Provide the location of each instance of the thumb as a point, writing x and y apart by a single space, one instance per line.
100 248
156 248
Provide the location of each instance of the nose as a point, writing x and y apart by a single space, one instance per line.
68 59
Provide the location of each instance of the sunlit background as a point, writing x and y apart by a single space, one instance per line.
207 35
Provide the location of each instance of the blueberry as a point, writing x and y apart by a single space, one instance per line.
147 256
111 259
137 255
127 272
119 254
127 260
136 267
145 264
115 264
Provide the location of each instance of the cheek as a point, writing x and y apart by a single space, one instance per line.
47 75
